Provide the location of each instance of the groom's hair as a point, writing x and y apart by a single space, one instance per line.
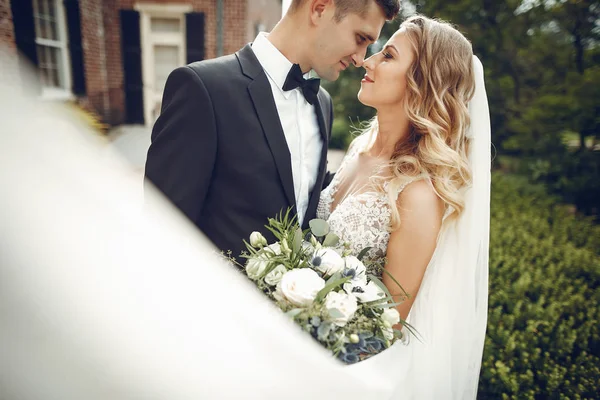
390 8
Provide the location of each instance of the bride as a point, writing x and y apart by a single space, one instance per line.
406 188
100 300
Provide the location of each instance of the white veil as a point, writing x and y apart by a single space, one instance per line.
98 300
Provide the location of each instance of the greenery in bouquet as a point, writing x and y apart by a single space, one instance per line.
330 293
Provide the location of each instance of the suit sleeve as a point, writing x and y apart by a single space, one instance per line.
182 155
328 175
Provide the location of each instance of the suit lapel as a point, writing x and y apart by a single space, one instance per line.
266 110
316 192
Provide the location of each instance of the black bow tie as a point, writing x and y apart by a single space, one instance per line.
309 87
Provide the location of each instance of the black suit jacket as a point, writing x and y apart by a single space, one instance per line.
219 153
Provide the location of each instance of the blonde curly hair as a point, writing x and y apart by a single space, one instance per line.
440 84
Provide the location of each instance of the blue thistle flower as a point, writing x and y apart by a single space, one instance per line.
374 345
348 358
349 272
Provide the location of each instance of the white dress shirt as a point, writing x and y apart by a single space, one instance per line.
298 120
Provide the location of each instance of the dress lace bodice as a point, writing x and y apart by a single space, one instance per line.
361 219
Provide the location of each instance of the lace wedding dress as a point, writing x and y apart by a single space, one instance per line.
361 219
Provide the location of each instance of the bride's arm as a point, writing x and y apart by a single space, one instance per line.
411 246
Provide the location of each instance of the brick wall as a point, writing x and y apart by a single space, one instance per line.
94 56
9 68
113 61
265 12
235 12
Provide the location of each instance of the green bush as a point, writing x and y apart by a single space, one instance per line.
575 176
341 134
543 337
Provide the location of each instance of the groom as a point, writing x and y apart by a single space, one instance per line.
242 137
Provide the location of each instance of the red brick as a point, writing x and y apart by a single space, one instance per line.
9 66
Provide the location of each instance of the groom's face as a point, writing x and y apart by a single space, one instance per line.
343 43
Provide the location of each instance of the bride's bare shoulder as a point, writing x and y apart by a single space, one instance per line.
419 197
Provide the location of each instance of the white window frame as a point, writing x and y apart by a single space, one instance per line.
64 93
149 39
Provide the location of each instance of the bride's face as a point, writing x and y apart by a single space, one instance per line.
384 83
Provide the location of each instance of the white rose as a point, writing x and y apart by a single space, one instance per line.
273 249
274 277
364 293
391 315
360 271
300 286
255 267
345 304
257 239
328 261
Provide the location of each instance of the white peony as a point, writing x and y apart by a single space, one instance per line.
344 304
255 267
300 286
274 277
328 261
257 239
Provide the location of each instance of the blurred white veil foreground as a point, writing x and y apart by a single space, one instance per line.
99 300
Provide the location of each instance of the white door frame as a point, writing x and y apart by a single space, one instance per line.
149 39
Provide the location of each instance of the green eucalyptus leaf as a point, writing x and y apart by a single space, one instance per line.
331 240
323 330
297 241
319 227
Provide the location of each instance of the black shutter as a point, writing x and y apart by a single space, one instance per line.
132 66
194 36
22 11
75 48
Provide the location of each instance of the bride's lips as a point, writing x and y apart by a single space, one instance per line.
367 79
344 66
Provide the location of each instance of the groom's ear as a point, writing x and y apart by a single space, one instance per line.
321 10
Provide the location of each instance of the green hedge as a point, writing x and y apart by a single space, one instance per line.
543 338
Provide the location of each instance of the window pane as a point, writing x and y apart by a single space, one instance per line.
166 59
49 66
165 25
45 19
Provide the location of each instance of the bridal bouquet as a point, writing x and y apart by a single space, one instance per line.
324 289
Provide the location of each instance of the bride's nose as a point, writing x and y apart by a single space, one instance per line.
369 63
